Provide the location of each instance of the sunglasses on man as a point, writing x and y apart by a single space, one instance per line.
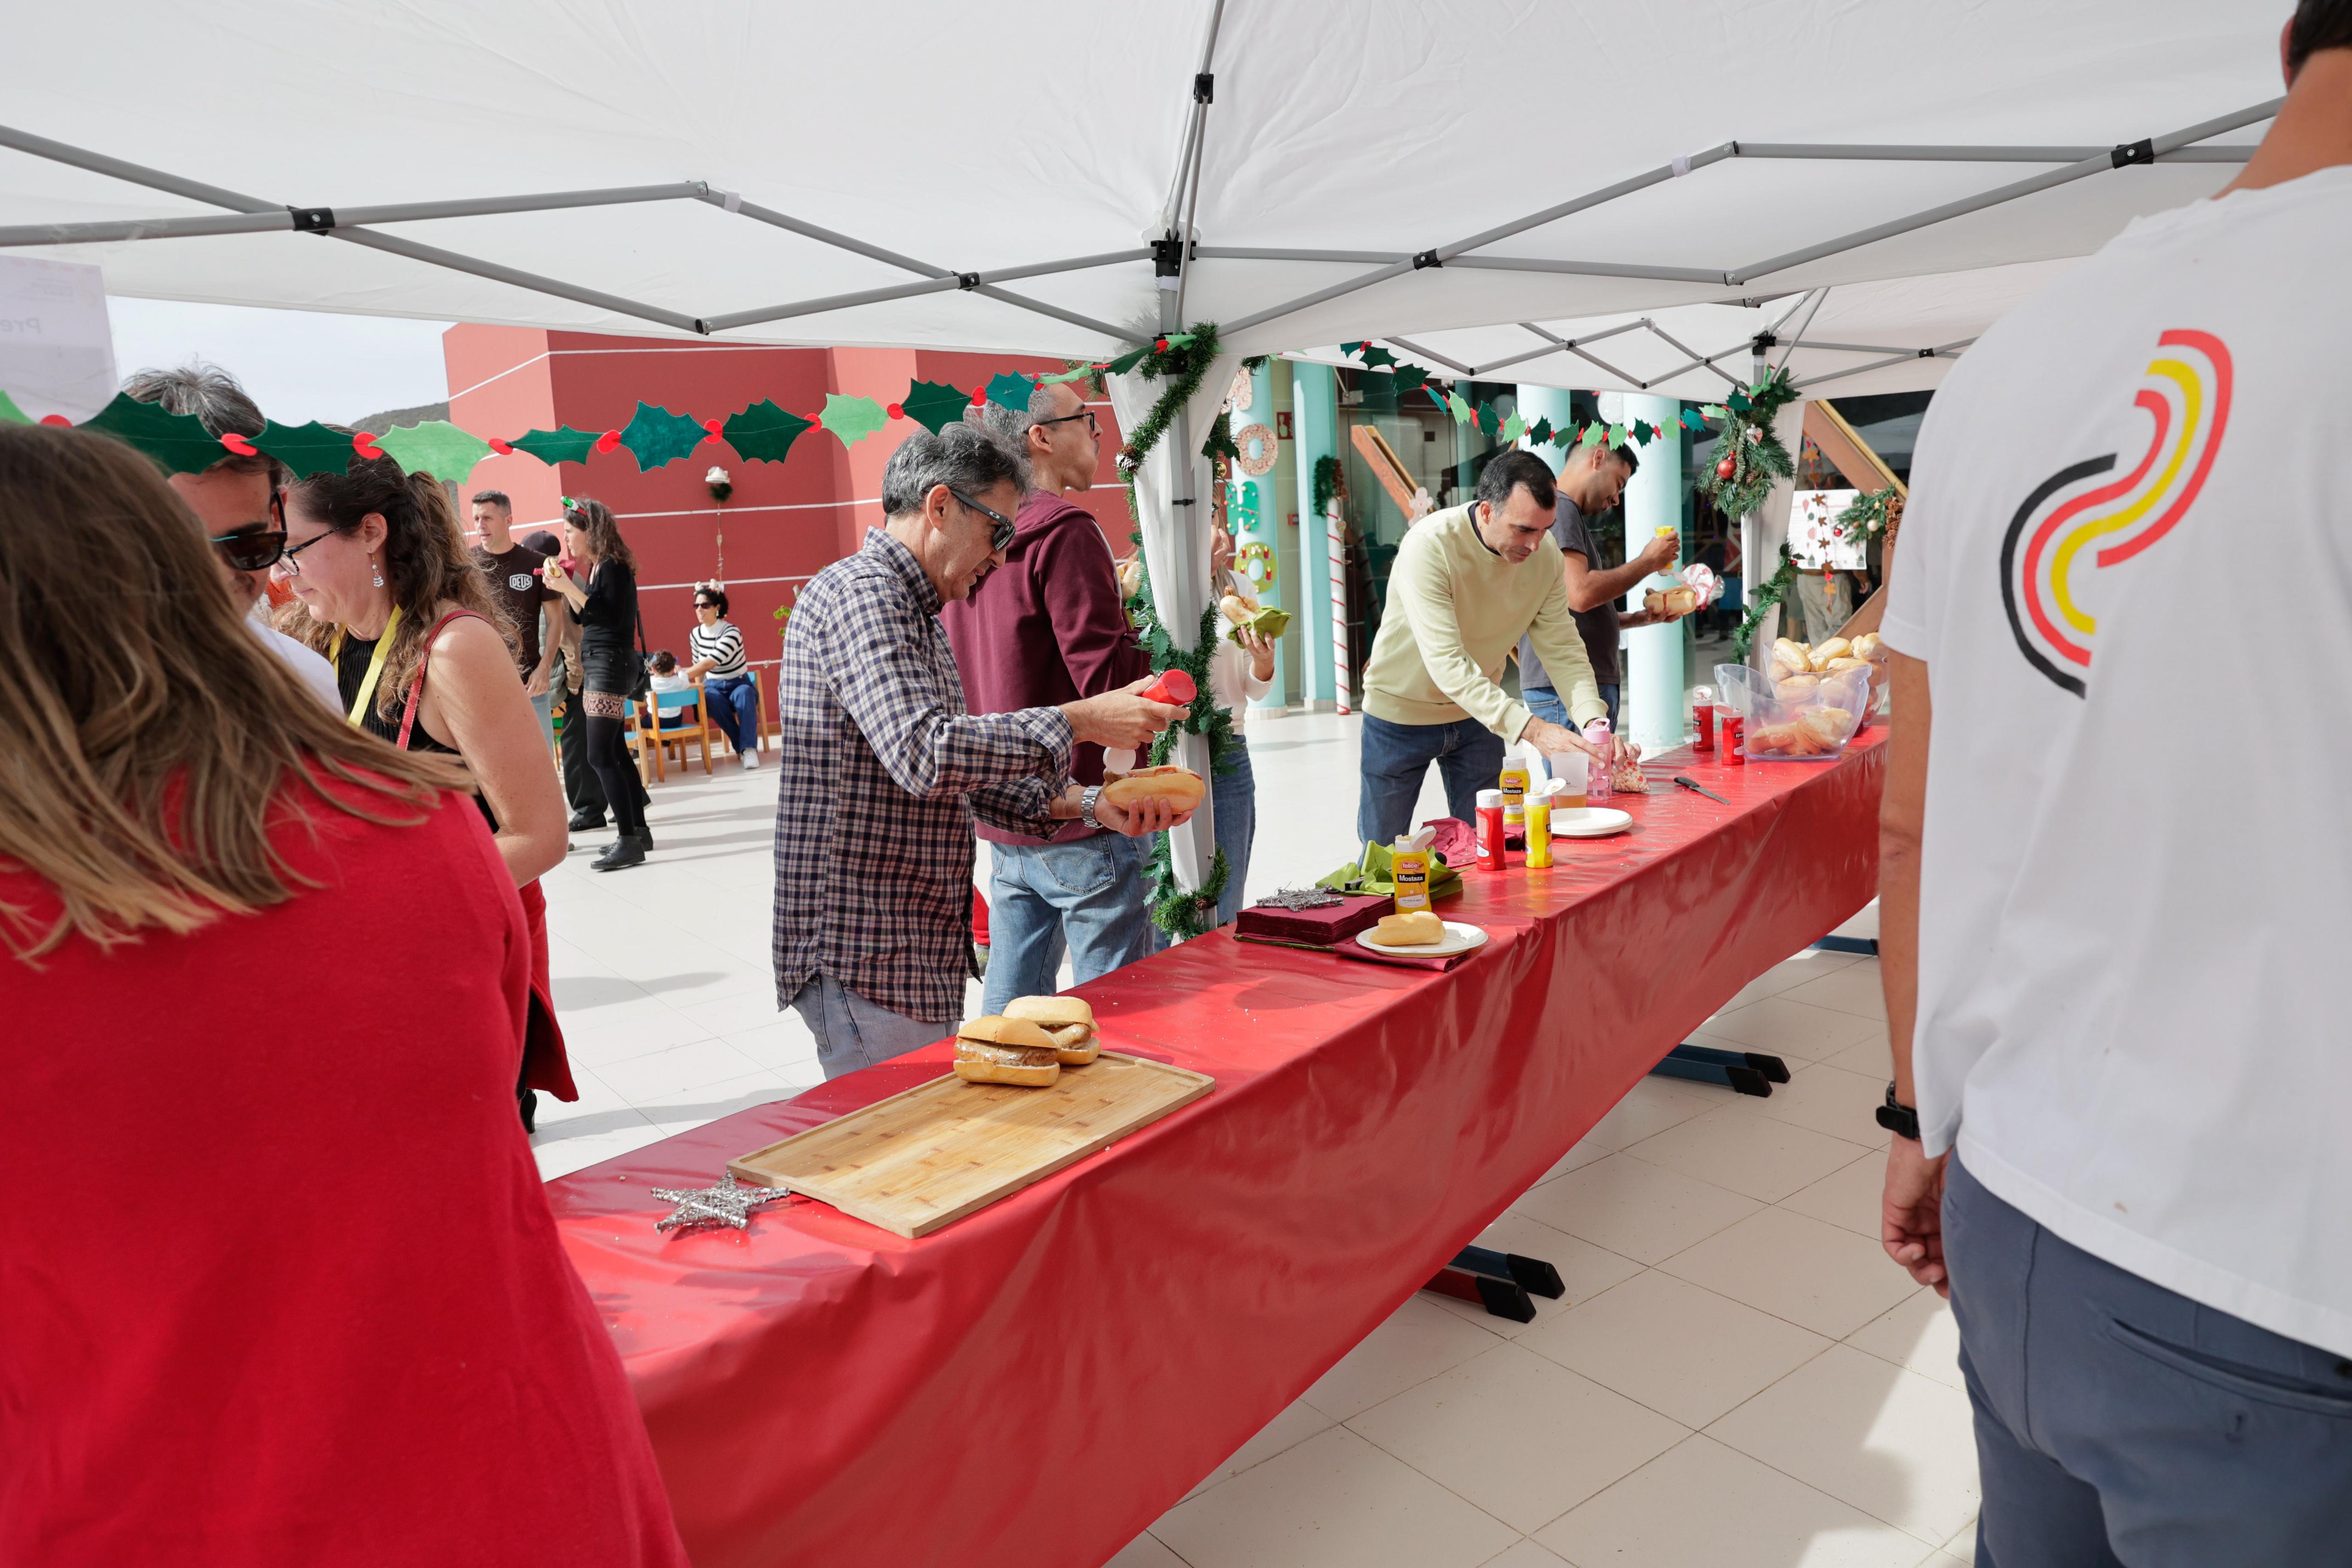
253 547
1000 539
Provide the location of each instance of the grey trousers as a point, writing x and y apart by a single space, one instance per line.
853 1032
2118 1423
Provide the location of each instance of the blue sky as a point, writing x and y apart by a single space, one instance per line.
298 364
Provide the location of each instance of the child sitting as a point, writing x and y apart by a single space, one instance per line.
664 674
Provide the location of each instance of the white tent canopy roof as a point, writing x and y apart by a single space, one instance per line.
998 142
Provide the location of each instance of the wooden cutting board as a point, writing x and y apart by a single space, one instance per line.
927 1158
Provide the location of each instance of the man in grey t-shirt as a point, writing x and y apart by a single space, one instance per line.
1593 481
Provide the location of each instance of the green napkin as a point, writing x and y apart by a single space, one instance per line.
1375 873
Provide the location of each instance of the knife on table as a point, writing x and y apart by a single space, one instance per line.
1694 784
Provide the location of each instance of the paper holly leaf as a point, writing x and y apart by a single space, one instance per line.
1738 402
1539 432
436 447
308 449
763 433
935 404
555 446
1642 432
1376 356
1009 389
1126 361
1489 421
655 437
1180 339
1461 411
1408 378
1513 428
179 442
1351 348
852 419
1616 436
10 413
1591 436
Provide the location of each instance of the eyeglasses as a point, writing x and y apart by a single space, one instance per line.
251 547
1087 414
286 561
1001 540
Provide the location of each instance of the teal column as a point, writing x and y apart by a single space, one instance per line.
1315 434
1552 403
1652 701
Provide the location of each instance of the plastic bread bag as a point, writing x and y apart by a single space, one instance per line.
1806 717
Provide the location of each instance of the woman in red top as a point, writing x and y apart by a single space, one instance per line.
277 1280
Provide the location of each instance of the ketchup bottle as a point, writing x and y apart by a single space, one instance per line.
1490 829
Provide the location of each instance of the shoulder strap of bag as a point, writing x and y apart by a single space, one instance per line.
424 662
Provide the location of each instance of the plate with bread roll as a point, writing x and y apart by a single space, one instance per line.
1421 935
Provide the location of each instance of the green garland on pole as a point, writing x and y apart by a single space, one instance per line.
1327 484
1767 594
1757 456
1869 516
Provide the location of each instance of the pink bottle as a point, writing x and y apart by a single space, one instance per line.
1597 772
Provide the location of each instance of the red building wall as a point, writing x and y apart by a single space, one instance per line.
784 521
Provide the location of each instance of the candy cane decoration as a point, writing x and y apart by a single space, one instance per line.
1335 533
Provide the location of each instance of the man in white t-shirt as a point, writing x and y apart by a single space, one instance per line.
232 499
2117 891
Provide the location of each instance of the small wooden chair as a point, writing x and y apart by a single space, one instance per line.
661 736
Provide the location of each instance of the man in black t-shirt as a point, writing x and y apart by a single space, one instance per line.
513 572
1592 481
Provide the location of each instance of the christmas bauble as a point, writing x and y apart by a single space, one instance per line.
1727 468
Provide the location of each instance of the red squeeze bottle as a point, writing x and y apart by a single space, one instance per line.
1172 686
1735 737
1490 829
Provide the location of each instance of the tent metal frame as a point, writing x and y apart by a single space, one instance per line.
360 225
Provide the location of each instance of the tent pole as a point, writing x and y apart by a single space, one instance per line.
1411 347
135 174
1945 350
1666 338
2099 163
515 276
1115 333
336 217
1202 96
1714 275
975 281
1901 154
1810 312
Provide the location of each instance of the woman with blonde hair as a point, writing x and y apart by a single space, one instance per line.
281 967
605 606
387 589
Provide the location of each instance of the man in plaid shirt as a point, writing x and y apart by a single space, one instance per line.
881 771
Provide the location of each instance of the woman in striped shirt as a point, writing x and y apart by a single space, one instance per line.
719 665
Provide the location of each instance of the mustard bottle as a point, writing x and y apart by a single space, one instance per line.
1539 827
1409 866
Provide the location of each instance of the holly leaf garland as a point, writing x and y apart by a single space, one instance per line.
852 419
555 446
934 405
178 443
1010 388
308 449
763 433
655 437
10 413
1375 356
1539 432
436 447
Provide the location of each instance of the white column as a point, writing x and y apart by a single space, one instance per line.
1652 703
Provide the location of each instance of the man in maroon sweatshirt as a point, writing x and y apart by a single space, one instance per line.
1046 628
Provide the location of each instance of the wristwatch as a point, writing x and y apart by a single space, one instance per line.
1898 1118
1087 799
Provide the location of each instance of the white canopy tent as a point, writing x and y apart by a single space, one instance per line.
993 178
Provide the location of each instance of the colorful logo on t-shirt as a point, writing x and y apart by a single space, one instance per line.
2058 540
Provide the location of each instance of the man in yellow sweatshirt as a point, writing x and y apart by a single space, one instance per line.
1468 583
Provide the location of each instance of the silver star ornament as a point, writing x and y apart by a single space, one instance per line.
728 1203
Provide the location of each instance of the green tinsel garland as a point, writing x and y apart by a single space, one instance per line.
1327 484
1766 594
1758 456
1183 915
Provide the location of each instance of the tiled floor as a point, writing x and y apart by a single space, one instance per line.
1736 1374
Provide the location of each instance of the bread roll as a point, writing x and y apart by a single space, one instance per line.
1865 646
1419 929
1075 1044
1179 787
998 1029
1848 663
976 1062
1836 648
1796 688
1051 1011
1235 608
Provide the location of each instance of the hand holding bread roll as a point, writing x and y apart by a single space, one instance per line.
1150 800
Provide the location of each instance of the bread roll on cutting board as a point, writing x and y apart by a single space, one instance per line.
1069 1022
999 1049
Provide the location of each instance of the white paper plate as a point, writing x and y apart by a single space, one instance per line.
1459 939
1589 823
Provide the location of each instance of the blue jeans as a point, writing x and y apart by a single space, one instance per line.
1234 800
2119 1423
1468 755
853 1032
735 709
1086 895
1545 704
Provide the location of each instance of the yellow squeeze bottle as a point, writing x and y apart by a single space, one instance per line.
1409 865
1514 784
1539 827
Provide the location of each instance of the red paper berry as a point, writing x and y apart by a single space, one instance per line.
609 440
55 419
896 412
1160 345
503 448
711 425
980 397
364 445
238 444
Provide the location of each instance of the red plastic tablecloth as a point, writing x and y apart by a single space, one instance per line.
1035 1384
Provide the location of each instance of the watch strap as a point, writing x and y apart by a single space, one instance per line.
1898 1118
1087 799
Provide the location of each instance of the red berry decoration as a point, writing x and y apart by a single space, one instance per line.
1160 345
980 397
55 419
503 448
1727 468
895 410
364 445
711 425
237 443
608 440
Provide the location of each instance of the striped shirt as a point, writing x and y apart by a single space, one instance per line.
721 643
880 772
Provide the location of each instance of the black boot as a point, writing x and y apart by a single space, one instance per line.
625 851
645 837
583 821
528 1103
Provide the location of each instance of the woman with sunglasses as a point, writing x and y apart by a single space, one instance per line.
726 676
281 960
605 606
386 588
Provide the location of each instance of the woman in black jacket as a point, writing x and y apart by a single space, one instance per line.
606 610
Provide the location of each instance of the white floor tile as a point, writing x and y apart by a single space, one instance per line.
1145 1552
1637 1211
1960 1548
1704 1505
1336 1501
1899 1447
1683 1351
1585 1271
1527 1554
1827 1099
1518 1435
660 1074
1848 1197
1856 989
1814 1275
565 1155
1298 1421
1785 1028
1921 1334
1810 965
1420 1340
1749 1154
1650 1107
686 1109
